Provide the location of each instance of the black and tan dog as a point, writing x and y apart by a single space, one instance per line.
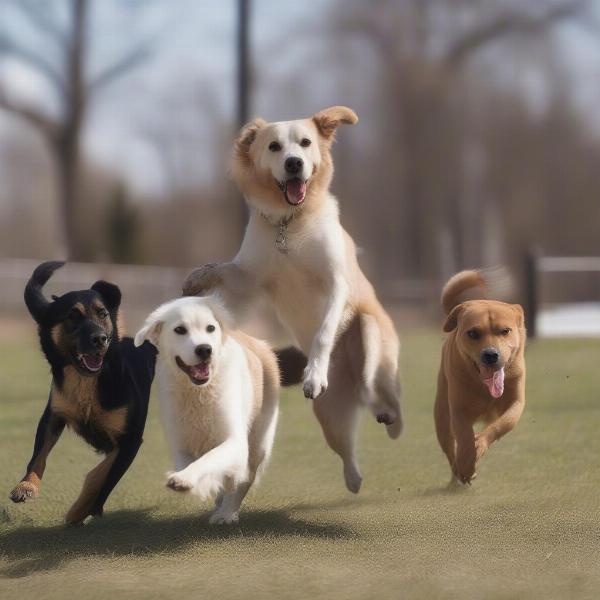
100 386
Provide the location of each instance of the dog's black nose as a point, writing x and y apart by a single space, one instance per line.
203 351
100 340
489 356
293 165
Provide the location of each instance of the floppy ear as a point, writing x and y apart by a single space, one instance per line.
152 327
329 119
110 293
452 318
248 135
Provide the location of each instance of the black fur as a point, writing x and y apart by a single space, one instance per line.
292 363
124 380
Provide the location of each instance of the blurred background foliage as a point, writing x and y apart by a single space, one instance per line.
478 135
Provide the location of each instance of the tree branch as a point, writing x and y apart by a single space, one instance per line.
129 61
31 58
506 24
44 124
37 14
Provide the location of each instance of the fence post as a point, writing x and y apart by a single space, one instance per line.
531 291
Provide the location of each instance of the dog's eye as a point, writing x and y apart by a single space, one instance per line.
505 331
473 334
210 328
305 143
102 313
180 330
274 146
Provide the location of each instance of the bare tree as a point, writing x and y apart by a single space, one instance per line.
72 87
425 45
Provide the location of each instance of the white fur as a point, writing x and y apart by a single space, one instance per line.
207 426
318 291
289 134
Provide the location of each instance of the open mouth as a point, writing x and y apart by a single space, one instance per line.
294 190
199 374
493 378
92 363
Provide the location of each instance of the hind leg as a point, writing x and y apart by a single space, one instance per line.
337 412
227 511
227 505
380 384
443 428
384 401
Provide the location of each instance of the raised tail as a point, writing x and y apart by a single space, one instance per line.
455 291
34 298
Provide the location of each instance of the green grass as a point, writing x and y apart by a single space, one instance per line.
527 528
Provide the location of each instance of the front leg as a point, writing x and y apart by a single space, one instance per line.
465 459
315 374
499 427
210 474
101 480
236 286
49 429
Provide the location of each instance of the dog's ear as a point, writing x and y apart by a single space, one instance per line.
520 315
329 119
152 326
452 318
110 293
248 135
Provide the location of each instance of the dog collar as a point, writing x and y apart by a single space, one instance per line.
281 226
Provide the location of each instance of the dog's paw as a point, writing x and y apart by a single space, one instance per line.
77 514
315 382
201 280
223 518
23 491
352 477
465 472
178 482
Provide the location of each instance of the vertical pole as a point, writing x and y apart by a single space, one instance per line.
531 292
243 62
243 81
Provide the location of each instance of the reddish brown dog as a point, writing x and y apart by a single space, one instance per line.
482 374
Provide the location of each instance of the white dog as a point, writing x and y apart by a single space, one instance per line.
297 253
218 392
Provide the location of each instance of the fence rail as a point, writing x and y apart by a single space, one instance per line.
575 318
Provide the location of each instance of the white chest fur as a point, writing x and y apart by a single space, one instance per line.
299 281
199 418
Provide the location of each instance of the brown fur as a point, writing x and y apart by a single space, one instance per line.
91 487
462 398
77 402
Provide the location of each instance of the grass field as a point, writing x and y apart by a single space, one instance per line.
529 527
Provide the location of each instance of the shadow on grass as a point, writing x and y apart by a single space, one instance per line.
139 533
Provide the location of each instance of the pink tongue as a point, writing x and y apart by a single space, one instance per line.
92 361
495 383
295 191
200 371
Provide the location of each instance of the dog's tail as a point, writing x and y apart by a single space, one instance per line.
291 365
34 298
465 283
